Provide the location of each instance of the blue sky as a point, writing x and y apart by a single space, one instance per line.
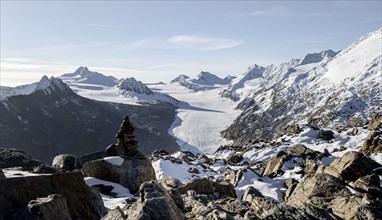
156 41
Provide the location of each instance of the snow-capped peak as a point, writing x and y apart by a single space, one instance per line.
318 57
180 78
51 84
83 71
207 78
132 85
85 76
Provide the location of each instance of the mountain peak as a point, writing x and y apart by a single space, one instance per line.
83 71
85 76
49 85
180 78
318 57
207 78
132 85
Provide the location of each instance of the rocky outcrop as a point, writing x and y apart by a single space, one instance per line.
66 162
16 193
52 207
372 143
250 193
326 135
10 157
355 207
155 203
115 214
131 174
370 184
224 188
199 185
267 209
318 188
351 166
376 122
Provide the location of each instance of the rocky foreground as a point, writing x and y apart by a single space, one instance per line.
306 173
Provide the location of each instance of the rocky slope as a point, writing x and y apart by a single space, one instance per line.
53 120
203 81
321 90
304 174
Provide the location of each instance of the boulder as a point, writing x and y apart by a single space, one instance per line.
134 172
43 168
66 162
351 166
267 209
320 188
155 203
104 189
376 122
101 169
131 174
300 150
290 185
193 170
291 129
274 165
372 143
170 182
310 166
199 185
17 158
115 214
355 207
234 177
16 193
52 207
224 188
326 135
235 159
250 193
369 184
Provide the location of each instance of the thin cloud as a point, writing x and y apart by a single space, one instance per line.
86 24
282 12
184 42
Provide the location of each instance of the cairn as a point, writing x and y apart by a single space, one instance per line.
126 144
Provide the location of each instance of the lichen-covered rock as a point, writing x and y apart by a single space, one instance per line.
155 203
267 209
372 143
352 165
16 193
52 207
274 165
250 193
234 177
66 162
320 188
224 188
376 122
115 214
101 169
17 158
370 184
199 185
354 207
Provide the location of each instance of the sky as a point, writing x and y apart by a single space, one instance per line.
157 40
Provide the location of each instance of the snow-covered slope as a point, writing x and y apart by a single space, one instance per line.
330 92
200 117
85 76
18 90
131 85
203 81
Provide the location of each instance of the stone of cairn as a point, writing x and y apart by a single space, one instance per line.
126 144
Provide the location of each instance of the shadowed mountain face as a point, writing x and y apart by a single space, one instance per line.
56 120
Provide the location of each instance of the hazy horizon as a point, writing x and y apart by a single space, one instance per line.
156 41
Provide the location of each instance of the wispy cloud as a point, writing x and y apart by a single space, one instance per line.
282 12
99 25
184 42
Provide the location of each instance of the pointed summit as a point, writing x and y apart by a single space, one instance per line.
85 76
180 78
132 85
318 57
50 85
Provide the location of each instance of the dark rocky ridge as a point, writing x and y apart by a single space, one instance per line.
45 124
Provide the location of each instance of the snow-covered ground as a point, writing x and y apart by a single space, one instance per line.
200 118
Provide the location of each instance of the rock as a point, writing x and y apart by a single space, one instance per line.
104 189
43 168
372 143
52 207
2 176
160 153
66 162
199 185
298 150
16 193
326 135
134 172
155 203
170 182
320 188
115 214
369 183
224 188
233 206
274 165
17 158
193 170
290 185
234 177
376 122
268 209
292 129
310 166
111 151
250 193
235 159
354 207
352 165
93 156
354 131
126 143
131 174
101 169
